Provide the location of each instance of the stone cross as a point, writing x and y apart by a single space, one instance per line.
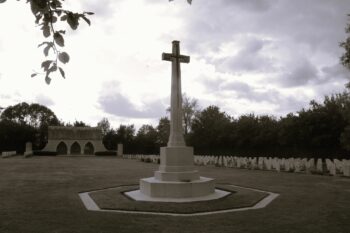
176 138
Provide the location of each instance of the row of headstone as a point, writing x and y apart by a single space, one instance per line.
144 158
319 166
7 154
302 165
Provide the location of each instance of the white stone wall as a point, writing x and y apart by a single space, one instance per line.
52 145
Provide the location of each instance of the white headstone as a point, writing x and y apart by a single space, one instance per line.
287 165
310 165
29 149
254 163
239 162
319 165
260 163
346 168
338 166
328 164
120 149
297 165
332 169
278 164
268 164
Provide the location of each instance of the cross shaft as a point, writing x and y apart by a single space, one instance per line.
176 138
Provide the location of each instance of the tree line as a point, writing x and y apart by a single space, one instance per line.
321 130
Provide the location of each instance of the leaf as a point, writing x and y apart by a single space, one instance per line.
46 64
58 12
62 72
45 42
86 19
53 68
46 50
72 20
47 79
2 1
33 75
63 57
64 17
58 39
89 13
54 19
37 18
46 30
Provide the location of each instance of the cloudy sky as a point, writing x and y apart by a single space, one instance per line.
256 56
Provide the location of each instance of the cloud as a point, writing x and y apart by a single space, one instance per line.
335 72
299 72
249 58
101 8
279 102
44 100
118 105
112 101
289 39
250 93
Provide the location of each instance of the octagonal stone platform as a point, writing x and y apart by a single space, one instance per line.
115 200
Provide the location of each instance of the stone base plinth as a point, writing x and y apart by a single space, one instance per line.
176 180
155 188
177 176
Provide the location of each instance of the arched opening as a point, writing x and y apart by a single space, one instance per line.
89 149
75 149
62 148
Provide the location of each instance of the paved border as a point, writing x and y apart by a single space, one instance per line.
91 205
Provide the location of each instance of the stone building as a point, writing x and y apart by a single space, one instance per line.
74 140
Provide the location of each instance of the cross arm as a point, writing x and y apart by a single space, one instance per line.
184 59
170 57
167 56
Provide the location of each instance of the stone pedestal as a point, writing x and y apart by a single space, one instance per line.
176 177
177 180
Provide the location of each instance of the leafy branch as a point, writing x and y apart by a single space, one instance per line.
47 13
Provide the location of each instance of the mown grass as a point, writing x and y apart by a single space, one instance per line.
40 195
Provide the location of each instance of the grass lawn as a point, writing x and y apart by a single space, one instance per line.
40 195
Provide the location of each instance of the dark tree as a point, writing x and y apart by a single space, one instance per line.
34 115
33 118
210 131
345 58
104 125
189 109
13 136
146 140
163 130
80 124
